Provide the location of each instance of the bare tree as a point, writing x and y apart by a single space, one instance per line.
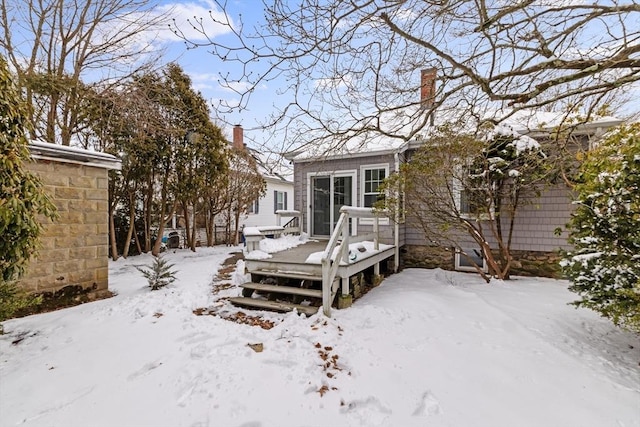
472 188
245 184
349 67
57 47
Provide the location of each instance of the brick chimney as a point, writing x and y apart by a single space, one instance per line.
427 87
238 137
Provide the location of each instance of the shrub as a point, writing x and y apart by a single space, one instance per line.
605 264
158 274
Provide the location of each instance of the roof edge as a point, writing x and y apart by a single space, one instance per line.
46 151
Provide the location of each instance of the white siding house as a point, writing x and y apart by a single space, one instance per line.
279 196
279 193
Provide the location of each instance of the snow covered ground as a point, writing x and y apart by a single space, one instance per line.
425 348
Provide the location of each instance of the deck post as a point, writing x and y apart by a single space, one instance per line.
326 288
345 286
376 230
345 238
376 268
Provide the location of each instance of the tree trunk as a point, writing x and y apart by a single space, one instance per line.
156 247
112 233
236 228
187 222
209 228
132 220
147 215
193 235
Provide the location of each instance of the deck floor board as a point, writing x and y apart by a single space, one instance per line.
299 254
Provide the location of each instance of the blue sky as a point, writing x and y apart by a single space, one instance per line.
205 69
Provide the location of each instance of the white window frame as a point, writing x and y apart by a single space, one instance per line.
277 203
363 168
459 256
457 191
254 207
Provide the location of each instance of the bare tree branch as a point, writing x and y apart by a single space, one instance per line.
348 69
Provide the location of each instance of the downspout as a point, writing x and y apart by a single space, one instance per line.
396 231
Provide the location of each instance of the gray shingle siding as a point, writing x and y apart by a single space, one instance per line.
537 221
301 183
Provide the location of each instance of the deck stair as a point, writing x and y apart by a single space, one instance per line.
301 275
275 292
291 290
287 278
258 304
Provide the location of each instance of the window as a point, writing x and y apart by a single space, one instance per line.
254 207
466 258
371 177
279 200
372 180
469 201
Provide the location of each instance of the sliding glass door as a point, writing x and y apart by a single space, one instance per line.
328 194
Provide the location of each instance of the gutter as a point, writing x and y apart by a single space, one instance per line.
78 156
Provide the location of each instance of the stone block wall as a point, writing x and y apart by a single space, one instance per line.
74 247
526 263
536 263
422 256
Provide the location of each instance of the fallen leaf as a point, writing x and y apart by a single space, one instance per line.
258 347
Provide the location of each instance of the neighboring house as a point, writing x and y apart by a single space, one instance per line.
73 259
278 196
279 189
327 181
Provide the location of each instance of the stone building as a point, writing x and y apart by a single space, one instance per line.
73 258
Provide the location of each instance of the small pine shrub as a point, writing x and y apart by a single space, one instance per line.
159 273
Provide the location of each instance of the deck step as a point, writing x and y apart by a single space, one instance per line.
288 274
273 305
313 293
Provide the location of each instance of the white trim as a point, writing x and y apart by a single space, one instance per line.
353 174
459 267
363 168
456 190
296 156
284 200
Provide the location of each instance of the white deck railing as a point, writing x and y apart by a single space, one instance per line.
290 226
340 239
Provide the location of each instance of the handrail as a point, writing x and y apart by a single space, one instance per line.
293 225
293 222
340 239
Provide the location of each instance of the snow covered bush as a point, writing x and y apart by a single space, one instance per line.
605 230
158 274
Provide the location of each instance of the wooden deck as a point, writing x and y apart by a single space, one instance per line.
294 260
299 254
290 271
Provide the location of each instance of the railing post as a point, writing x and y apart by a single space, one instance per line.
345 237
376 231
326 287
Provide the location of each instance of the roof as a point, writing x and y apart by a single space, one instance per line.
271 166
535 124
46 151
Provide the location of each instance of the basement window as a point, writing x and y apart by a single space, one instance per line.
465 262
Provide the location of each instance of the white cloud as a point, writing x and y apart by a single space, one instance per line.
334 83
196 21
235 87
